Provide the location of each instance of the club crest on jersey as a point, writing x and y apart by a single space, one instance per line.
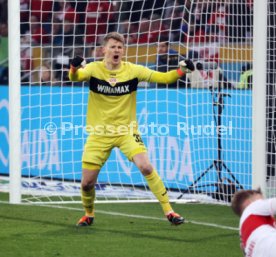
112 81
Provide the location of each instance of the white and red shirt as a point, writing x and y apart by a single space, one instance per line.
258 228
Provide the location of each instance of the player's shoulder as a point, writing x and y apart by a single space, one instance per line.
255 205
94 64
133 66
129 64
253 208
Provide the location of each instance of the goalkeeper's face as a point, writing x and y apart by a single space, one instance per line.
113 52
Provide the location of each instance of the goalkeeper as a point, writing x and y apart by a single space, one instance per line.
111 119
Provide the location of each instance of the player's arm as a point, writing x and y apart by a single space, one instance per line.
172 76
77 72
264 207
272 202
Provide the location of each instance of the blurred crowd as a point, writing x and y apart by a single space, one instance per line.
66 28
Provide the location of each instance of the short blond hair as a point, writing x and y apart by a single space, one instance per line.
114 35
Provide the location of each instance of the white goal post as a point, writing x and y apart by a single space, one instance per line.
259 95
14 102
206 135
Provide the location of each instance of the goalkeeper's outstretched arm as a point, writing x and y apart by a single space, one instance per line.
172 76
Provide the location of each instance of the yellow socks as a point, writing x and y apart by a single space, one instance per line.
88 198
158 189
155 184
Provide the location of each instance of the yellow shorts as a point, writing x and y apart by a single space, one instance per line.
98 148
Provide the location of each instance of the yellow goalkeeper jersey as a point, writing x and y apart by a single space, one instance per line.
111 106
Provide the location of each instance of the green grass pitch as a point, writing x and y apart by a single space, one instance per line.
120 230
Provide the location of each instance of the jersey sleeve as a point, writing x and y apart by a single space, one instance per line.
82 74
148 75
272 203
264 207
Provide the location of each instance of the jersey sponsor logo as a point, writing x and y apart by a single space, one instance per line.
106 88
113 90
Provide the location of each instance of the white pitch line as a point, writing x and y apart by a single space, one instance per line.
135 216
145 217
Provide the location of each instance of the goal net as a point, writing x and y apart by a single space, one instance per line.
271 104
198 131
